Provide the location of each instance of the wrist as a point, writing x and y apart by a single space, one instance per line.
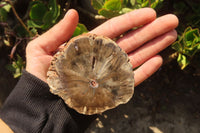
39 74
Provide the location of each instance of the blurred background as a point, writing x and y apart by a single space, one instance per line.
167 102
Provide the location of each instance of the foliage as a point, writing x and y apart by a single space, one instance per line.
80 29
43 15
16 67
4 11
187 46
112 8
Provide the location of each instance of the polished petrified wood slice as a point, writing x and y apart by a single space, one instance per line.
91 74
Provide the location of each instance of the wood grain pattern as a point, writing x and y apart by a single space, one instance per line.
91 74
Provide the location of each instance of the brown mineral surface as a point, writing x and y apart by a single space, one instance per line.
91 74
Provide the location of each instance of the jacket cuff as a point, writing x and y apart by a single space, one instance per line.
32 108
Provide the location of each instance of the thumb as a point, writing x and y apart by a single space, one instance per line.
58 34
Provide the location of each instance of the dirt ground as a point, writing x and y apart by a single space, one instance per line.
7 82
168 102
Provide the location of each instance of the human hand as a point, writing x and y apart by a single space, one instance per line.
142 45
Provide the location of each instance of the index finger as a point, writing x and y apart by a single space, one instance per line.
118 25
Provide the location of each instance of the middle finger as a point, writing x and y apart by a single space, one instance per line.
136 38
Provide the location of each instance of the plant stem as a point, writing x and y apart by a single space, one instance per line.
18 18
149 3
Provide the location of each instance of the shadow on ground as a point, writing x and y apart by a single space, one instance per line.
168 102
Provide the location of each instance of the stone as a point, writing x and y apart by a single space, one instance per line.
91 74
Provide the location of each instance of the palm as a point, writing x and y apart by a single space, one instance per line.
142 44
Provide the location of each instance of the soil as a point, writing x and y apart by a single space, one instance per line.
168 102
7 82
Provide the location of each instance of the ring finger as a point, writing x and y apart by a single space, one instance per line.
136 38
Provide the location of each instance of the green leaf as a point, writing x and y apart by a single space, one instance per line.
132 2
54 9
190 35
125 2
113 5
188 29
183 61
177 46
34 31
43 16
97 4
6 7
51 16
198 46
125 10
155 3
6 42
80 29
196 39
38 11
47 20
107 13
145 4
17 73
32 24
21 31
16 67
112 8
4 11
188 45
3 15
139 1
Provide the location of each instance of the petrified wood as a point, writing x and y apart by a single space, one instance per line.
91 74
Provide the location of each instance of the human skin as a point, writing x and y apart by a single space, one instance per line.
142 45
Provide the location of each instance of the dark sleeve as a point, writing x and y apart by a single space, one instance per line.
31 108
